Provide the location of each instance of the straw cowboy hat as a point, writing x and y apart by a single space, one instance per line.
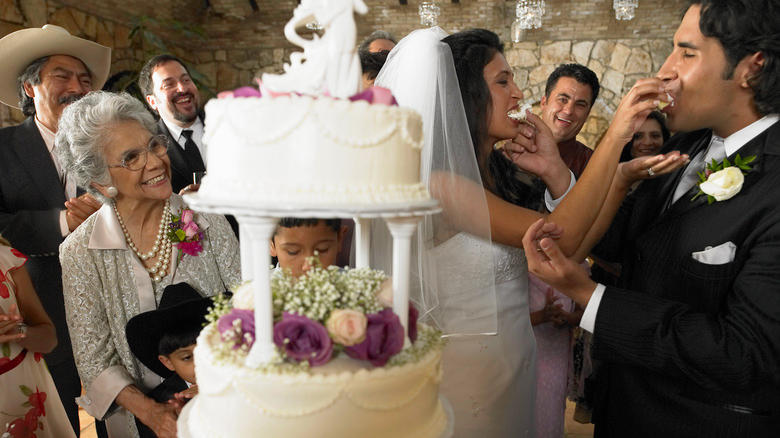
20 48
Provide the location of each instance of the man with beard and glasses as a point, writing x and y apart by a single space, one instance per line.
169 90
44 71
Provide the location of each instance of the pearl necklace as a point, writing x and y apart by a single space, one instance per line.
161 247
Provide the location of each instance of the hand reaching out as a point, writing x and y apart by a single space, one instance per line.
546 261
79 209
9 325
651 166
534 149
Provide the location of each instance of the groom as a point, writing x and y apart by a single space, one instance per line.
692 339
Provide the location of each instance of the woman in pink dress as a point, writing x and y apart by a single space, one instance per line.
29 406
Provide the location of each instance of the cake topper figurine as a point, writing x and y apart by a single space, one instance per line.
328 64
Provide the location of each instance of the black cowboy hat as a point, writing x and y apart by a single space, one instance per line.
181 308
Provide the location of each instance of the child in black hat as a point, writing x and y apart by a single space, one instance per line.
164 340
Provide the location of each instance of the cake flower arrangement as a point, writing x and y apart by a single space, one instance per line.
320 314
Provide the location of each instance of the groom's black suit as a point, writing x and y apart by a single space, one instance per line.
691 349
31 198
181 171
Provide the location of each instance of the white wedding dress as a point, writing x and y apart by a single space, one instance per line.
489 380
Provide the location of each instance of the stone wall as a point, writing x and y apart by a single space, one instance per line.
240 42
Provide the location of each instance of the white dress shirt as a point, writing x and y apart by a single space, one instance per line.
197 136
70 186
733 143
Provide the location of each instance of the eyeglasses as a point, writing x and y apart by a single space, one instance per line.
135 159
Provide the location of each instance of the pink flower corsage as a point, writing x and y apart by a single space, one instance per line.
185 233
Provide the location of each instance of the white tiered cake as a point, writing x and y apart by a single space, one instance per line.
296 155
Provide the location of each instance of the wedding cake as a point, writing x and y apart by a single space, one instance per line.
336 352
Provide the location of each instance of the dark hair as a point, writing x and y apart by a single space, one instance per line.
31 75
172 341
472 50
373 36
579 73
145 76
294 222
371 63
658 117
744 27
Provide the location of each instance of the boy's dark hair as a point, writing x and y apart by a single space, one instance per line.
744 27
172 341
294 222
579 73
145 76
371 63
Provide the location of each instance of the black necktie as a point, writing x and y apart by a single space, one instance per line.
191 152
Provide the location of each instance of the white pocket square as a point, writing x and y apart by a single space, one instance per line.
716 255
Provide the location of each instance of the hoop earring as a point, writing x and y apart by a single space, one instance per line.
111 191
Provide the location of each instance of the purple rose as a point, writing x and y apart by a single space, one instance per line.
384 338
413 316
303 339
238 326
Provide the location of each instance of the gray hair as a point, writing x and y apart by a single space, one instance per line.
83 129
375 35
31 75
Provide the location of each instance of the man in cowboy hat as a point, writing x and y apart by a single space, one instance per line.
44 71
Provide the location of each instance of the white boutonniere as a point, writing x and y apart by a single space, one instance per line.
722 180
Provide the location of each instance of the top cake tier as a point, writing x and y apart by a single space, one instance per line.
304 152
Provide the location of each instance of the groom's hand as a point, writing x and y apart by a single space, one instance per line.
546 261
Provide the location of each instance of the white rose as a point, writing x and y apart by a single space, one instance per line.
723 184
244 297
347 327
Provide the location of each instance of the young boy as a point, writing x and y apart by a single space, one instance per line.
163 340
297 239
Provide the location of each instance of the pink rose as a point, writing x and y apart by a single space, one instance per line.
238 326
186 216
347 327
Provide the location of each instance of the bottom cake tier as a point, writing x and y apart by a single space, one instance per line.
343 399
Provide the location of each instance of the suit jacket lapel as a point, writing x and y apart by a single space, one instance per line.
34 156
753 147
178 163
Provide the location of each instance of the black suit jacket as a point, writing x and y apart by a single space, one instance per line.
181 172
693 349
31 198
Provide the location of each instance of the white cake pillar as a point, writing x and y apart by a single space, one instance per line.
260 229
247 261
402 229
362 242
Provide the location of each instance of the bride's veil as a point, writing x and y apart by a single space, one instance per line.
452 283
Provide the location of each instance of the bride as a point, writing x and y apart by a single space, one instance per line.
471 271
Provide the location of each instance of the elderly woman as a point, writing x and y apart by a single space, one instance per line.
117 263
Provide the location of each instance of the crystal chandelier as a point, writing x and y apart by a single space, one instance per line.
528 15
429 13
624 9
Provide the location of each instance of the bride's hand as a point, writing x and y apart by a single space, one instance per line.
640 101
650 167
534 150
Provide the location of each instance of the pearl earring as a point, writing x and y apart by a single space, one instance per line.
111 191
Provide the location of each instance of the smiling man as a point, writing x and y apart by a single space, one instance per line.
44 71
691 338
170 91
568 97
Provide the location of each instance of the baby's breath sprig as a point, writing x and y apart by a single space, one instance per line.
220 307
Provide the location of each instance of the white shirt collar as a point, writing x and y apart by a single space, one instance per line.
107 233
735 141
47 134
175 130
